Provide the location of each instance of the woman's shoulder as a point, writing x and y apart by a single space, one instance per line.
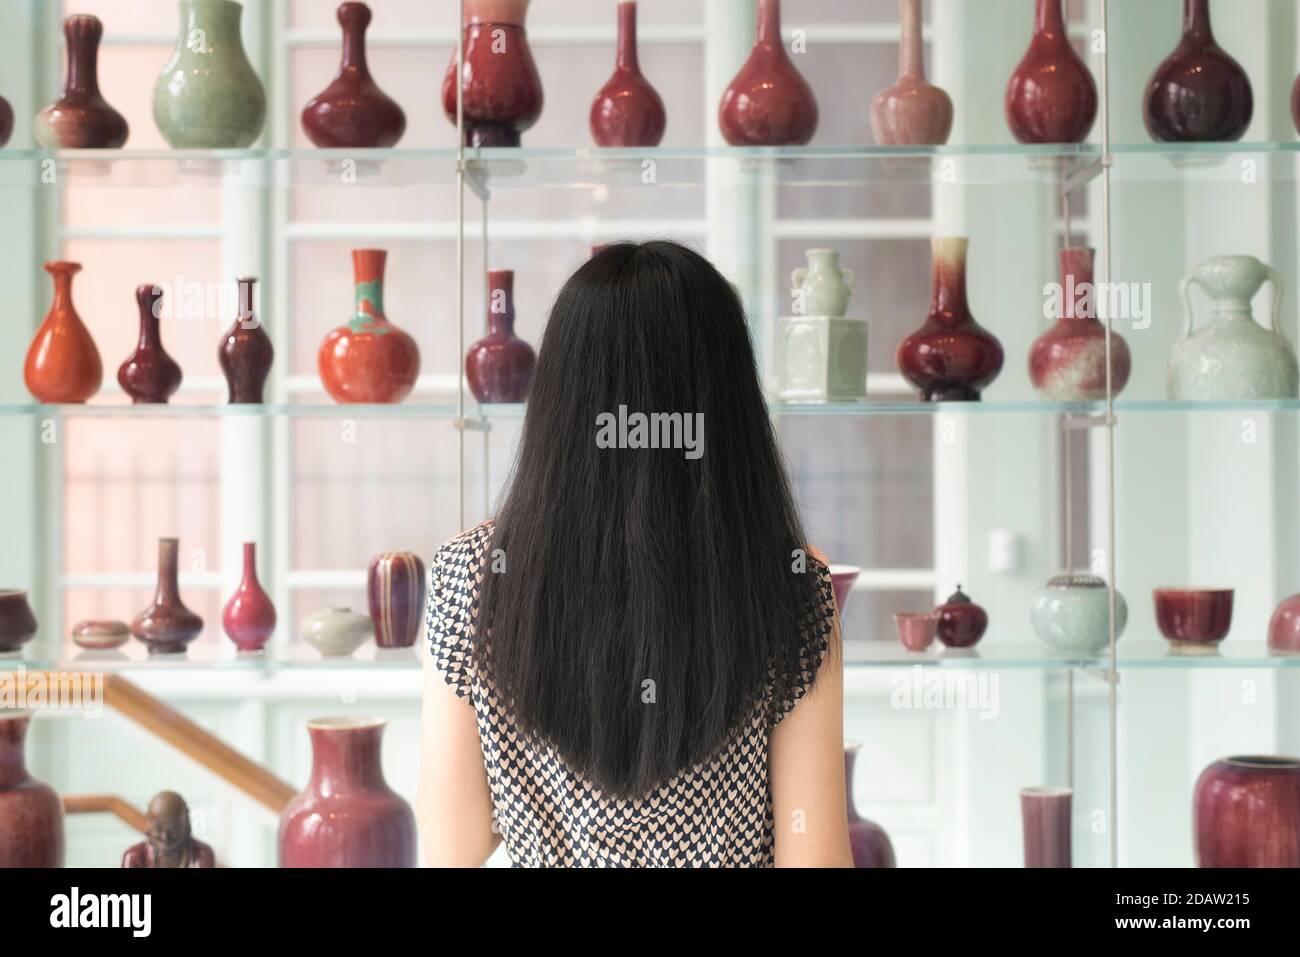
464 553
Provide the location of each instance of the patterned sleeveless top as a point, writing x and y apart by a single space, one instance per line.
715 814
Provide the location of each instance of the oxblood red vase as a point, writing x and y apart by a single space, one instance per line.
1051 97
249 616
962 623
6 121
912 112
502 88
627 111
1247 812
1284 626
31 814
246 353
369 359
81 118
347 816
1067 363
769 103
871 845
167 626
499 367
951 357
149 374
353 112
1199 93
17 620
395 589
63 364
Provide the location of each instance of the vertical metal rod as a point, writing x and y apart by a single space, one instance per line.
487 433
1069 728
460 264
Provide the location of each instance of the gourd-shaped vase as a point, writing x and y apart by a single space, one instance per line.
1051 97
912 112
208 96
769 103
81 118
499 367
502 90
1199 93
249 616
353 112
149 374
871 845
6 121
63 364
951 357
627 111
167 626
1232 358
246 353
31 813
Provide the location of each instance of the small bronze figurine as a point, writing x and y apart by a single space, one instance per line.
169 843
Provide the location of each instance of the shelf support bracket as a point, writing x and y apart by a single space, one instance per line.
474 178
1081 176
1080 423
472 425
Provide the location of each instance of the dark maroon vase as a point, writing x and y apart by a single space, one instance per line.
962 623
1199 93
1051 97
6 121
769 103
149 374
246 352
249 616
502 88
395 589
627 111
347 816
167 626
951 357
81 118
17 622
1247 812
499 367
871 845
31 814
353 112
1046 825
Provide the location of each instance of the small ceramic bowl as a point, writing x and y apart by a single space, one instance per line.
97 635
335 631
842 579
916 632
1194 616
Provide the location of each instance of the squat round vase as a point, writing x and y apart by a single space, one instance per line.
167 626
502 90
246 353
1067 363
769 103
149 374
336 632
1051 97
353 112
249 616
369 359
6 121
63 364
395 590
208 96
499 367
962 623
1072 614
17 621
627 111
31 813
1247 812
1199 93
1233 358
912 112
951 357
81 118
100 635
347 816
822 288
871 845
1284 626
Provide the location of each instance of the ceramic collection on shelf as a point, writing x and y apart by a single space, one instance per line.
1247 812
31 814
499 367
627 111
822 352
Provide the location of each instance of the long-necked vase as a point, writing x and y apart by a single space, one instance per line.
149 374
167 626
63 364
913 111
249 616
769 103
246 352
627 111
31 813
353 112
81 118
1199 93
871 845
1051 97
499 367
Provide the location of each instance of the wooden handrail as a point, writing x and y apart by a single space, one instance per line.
106 804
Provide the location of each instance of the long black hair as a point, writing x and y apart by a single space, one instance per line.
650 595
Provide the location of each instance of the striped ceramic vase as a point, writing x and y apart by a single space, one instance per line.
395 586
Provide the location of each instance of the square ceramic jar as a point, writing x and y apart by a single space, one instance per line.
821 359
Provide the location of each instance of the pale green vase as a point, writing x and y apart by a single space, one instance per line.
208 96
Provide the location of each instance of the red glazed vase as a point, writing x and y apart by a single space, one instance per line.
962 623
499 367
769 103
63 364
502 89
1196 616
1199 93
353 112
369 359
1247 813
1046 825
1284 626
627 111
246 353
17 621
912 112
1051 97
31 814
395 588
167 626
149 374
1067 363
81 118
6 121
249 616
347 816
951 357
871 845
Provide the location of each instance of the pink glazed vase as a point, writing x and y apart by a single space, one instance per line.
249 616
912 112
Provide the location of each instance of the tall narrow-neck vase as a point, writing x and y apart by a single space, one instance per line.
63 364
499 367
246 353
1199 93
913 111
167 626
627 111
353 112
81 118
249 615
871 845
502 90
1051 97
31 814
769 103
149 374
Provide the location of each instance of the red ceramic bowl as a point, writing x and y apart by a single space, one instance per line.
916 632
1200 616
842 579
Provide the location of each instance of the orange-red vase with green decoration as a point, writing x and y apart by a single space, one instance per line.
369 359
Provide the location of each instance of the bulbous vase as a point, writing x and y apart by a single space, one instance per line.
1199 93
769 103
63 364
1051 97
353 112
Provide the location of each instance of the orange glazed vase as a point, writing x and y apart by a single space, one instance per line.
63 364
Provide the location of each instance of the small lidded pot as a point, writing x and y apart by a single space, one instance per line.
962 623
1072 614
100 635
